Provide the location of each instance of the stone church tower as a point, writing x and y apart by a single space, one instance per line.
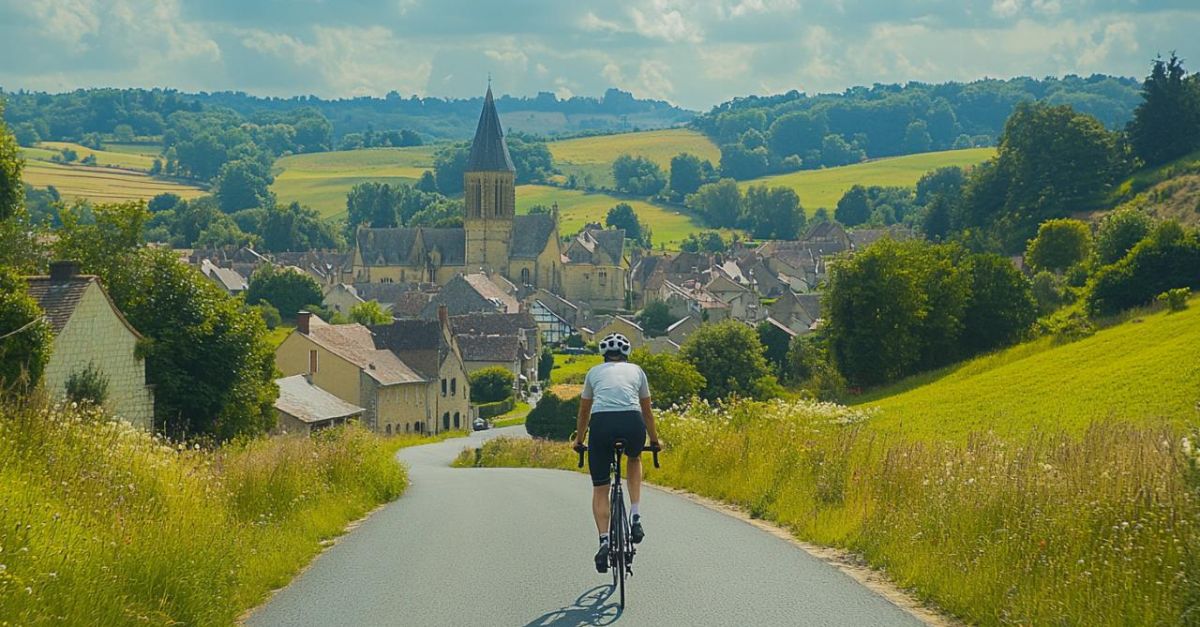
490 195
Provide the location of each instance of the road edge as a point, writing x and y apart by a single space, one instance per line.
847 562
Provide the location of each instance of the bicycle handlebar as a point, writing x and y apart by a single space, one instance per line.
654 449
581 449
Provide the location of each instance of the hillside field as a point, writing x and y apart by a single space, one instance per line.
1145 370
595 155
668 225
321 180
102 184
119 159
823 188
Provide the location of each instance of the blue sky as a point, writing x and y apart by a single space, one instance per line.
695 54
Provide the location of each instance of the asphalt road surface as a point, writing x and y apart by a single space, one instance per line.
499 546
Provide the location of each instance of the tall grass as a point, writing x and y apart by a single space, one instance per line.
101 524
1046 529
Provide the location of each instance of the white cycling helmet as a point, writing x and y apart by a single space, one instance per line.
615 343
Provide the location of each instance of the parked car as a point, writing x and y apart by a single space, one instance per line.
481 424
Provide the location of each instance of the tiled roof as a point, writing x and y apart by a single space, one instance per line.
410 304
59 298
309 403
419 342
492 323
489 153
489 290
530 234
489 347
470 293
355 344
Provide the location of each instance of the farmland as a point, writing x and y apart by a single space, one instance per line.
1144 370
322 180
823 188
117 159
102 184
593 156
576 208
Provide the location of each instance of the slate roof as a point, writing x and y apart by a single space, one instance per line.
489 347
228 278
59 298
489 290
309 403
493 323
384 293
530 234
396 246
470 293
419 342
489 153
355 344
410 304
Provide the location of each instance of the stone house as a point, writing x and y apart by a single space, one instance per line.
430 348
343 360
472 293
511 341
624 326
227 279
89 331
304 408
682 328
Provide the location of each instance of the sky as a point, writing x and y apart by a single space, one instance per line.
694 54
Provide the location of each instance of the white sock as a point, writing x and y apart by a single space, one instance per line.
633 509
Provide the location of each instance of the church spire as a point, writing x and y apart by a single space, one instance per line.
489 153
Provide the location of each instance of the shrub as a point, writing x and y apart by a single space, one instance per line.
490 410
553 418
269 314
23 355
1059 245
1175 300
1168 258
491 384
730 358
545 364
672 380
89 385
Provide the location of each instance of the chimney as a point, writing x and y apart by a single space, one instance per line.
302 320
63 270
444 316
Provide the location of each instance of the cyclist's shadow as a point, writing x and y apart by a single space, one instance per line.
590 609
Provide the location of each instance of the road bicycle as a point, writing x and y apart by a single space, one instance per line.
620 548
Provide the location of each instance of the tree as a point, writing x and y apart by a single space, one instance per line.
1119 232
1059 244
808 364
449 166
672 380
372 204
491 384
637 175
369 312
11 192
163 202
776 342
916 137
772 213
947 182
428 183
704 241
553 418
1166 125
730 358
287 290
242 184
622 216
936 222
295 228
1001 306
1168 258
836 151
545 364
719 203
740 162
655 317
688 173
26 337
797 133
853 209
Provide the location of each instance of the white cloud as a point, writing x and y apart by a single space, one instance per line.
66 21
662 20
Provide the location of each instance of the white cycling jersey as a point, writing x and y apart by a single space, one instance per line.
615 386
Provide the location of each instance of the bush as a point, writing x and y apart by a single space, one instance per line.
1059 245
553 418
491 384
269 314
491 410
1175 300
1169 258
545 364
672 380
730 358
89 385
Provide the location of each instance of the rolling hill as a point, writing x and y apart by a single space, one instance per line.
823 188
321 180
1145 370
102 184
668 225
594 156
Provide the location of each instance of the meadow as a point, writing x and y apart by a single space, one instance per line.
668 225
102 184
824 188
1144 370
322 180
129 160
102 524
572 368
594 156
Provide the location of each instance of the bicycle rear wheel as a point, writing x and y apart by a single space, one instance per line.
621 549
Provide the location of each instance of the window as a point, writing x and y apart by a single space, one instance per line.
496 200
456 421
443 387
454 386
525 276
389 429
446 421
603 276
417 427
406 427
312 361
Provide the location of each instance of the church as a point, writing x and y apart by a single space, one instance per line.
527 249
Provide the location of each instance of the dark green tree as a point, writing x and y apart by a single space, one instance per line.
242 185
775 342
772 213
287 290
853 208
672 380
655 317
12 194
1168 258
740 162
797 133
1119 232
295 228
491 384
1001 308
622 216
688 173
1166 125
553 418
720 203
730 358
1059 244
369 312
24 335
545 364
638 175
427 183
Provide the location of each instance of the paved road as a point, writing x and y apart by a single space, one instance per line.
514 547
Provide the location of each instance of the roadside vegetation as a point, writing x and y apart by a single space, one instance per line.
104 524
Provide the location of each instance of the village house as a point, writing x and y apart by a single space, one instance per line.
227 279
430 348
510 341
89 332
620 324
303 408
472 293
682 328
343 360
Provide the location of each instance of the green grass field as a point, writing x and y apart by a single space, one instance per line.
572 368
117 159
594 155
823 188
322 180
1145 371
102 184
668 225
147 150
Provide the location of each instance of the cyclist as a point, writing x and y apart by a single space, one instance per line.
616 403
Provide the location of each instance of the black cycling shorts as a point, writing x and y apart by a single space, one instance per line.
605 429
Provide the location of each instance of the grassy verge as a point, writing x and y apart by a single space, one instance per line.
514 416
103 524
1098 529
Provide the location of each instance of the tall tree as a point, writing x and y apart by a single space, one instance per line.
853 208
688 173
719 203
241 185
730 358
772 213
622 216
1059 245
1166 125
287 290
638 175
1119 232
24 335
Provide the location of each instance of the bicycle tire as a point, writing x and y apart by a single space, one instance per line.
614 533
622 541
